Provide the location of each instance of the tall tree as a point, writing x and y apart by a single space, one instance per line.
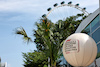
49 37
35 59
45 40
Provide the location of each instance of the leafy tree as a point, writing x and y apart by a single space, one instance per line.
45 40
49 37
35 59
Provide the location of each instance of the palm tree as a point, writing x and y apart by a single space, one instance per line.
46 41
49 37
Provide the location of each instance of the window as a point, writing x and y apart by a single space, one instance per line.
98 46
95 23
87 30
93 29
96 35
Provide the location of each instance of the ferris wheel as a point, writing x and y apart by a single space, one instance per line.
58 11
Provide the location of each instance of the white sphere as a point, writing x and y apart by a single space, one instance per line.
79 49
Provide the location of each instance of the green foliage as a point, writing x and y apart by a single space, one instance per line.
21 31
45 40
98 55
35 59
49 38
45 66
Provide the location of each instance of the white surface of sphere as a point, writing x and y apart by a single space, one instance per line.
79 49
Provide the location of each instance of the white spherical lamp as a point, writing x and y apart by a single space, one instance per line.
79 49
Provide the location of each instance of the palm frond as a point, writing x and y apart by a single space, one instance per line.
22 32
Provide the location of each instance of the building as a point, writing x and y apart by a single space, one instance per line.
91 26
3 64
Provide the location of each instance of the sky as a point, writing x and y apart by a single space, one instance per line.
17 13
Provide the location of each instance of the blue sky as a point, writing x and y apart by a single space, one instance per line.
16 13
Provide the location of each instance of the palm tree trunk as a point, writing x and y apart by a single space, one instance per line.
51 61
55 64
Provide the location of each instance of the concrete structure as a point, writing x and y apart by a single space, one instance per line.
91 26
3 64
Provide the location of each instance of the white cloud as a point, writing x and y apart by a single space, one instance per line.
15 5
89 3
37 5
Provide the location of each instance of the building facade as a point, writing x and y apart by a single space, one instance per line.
91 26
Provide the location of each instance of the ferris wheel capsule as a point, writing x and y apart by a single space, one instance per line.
77 5
62 2
48 9
84 8
70 2
55 4
44 15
